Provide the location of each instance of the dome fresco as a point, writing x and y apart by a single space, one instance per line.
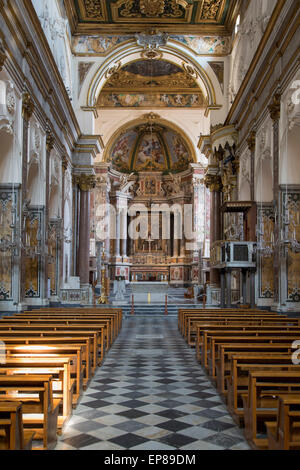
150 148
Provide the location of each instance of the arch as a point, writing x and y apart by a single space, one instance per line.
137 122
182 57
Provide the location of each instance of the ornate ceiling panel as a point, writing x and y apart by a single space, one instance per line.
154 83
110 16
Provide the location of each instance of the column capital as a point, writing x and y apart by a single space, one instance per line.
27 106
251 141
85 182
49 140
213 182
64 163
274 107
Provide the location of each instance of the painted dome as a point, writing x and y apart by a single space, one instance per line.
150 147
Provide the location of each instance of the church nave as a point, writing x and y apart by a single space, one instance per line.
151 394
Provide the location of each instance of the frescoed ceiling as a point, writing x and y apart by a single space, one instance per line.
121 16
151 83
150 147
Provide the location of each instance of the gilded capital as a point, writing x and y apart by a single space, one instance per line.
27 106
251 141
64 163
49 141
86 182
213 182
274 107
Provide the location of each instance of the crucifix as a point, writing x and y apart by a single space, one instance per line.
149 240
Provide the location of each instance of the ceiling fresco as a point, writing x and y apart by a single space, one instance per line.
213 16
151 83
150 147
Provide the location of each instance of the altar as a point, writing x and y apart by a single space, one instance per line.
149 292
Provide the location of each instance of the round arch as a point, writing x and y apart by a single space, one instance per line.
182 57
136 122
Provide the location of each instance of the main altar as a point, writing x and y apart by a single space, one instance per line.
148 188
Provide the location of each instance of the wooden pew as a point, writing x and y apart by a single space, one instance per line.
237 380
80 311
107 322
12 434
60 370
261 401
247 320
284 434
74 352
210 347
89 338
40 409
96 340
183 312
201 327
102 329
217 314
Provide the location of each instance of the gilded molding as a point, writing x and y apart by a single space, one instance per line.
251 141
274 108
213 182
85 182
27 106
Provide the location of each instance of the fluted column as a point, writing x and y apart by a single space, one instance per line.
86 183
27 111
274 110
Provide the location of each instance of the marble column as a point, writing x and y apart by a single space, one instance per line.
228 288
118 232
244 285
223 287
44 260
27 111
213 182
251 145
274 110
86 183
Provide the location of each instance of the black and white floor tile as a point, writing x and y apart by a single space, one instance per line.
151 394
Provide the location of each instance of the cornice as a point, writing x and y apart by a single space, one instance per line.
276 13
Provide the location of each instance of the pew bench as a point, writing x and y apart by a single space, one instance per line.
241 327
40 409
62 383
48 342
261 402
237 380
12 433
211 353
284 434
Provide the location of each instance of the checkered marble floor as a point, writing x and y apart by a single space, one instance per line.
151 394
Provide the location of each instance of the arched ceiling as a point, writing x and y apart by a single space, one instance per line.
150 146
151 83
116 16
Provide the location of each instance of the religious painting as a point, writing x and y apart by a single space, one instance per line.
179 153
150 154
7 200
32 261
146 100
121 151
97 45
150 187
291 201
204 45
